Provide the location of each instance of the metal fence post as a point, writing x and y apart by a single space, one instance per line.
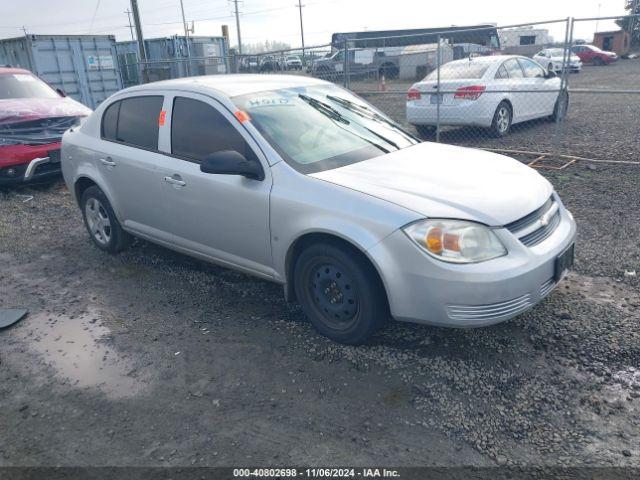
345 67
566 55
438 60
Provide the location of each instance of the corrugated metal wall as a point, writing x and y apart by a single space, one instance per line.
84 66
167 58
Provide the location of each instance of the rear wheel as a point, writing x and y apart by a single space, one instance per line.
101 221
597 61
561 107
340 293
502 119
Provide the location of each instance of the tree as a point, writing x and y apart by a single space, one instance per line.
631 25
264 47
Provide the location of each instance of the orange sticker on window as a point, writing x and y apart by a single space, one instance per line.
162 117
242 116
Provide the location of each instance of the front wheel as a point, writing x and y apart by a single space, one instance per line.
101 221
340 293
502 119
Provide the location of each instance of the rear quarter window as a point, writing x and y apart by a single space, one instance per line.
133 121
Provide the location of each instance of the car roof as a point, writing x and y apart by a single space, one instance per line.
232 85
9 70
488 59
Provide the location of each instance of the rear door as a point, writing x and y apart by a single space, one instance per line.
223 217
131 164
515 84
541 97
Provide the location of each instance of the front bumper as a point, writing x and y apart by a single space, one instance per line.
425 290
32 164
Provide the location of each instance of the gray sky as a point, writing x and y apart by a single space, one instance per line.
278 19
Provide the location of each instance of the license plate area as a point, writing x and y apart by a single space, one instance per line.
564 262
435 98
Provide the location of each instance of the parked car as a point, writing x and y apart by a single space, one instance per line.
292 62
493 92
362 62
249 64
553 59
300 182
33 117
269 63
593 55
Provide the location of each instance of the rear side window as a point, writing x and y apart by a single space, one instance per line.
110 122
467 69
133 121
502 72
513 68
198 130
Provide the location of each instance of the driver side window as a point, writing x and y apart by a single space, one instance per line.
198 130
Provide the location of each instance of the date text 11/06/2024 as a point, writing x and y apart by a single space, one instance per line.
315 472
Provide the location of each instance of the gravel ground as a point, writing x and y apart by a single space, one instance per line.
152 358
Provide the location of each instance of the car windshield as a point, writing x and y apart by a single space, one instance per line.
458 70
24 85
322 127
293 58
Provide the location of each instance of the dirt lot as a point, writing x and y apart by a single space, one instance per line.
152 358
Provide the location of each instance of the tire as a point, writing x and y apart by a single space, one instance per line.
340 293
502 119
96 213
550 68
425 130
598 62
561 107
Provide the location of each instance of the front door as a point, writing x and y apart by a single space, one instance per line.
222 217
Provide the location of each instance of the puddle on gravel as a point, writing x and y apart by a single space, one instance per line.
74 348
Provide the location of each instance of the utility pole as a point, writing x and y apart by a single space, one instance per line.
24 29
128 12
301 28
186 38
238 28
141 48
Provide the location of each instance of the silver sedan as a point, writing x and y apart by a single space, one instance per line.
301 182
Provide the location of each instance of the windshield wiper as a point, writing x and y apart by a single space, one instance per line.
366 112
322 107
333 114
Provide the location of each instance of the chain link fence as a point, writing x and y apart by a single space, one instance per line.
535 87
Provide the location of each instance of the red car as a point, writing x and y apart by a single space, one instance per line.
33 117
593 55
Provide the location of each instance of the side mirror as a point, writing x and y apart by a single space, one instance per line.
61 92
550 74
230 162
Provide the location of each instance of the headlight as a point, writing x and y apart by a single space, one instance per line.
456 241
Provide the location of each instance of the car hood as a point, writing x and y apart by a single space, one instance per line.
443 181
26 109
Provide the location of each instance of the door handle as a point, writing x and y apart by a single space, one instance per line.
175 181
108 162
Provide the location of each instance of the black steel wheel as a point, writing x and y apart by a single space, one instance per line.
340 292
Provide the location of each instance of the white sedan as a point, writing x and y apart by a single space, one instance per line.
493 92
553 59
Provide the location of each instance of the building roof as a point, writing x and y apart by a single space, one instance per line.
610 32
233 85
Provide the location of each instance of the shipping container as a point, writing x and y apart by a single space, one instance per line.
167 58
85 67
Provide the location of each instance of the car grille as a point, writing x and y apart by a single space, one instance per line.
491 310
538 225
546 287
